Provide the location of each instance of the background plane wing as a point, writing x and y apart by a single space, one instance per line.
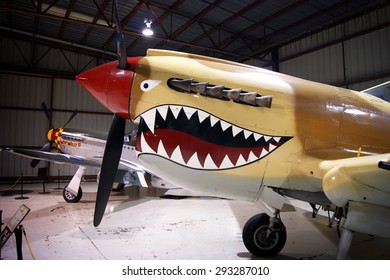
382 91
55 157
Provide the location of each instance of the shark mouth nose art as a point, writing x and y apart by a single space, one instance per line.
199 140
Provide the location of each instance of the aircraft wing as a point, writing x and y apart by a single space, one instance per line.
125 165
363 183
363 179
55 157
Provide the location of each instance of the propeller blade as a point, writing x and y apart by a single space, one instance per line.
120 44
45 148
71 118
112 154
34 163
46 111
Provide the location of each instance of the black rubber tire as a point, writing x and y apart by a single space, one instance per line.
254 232
69 197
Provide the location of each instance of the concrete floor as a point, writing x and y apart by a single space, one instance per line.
139 224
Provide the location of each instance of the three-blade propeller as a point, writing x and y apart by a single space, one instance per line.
113 149
47 146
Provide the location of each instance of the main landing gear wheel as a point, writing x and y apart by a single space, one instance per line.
260 239
70 197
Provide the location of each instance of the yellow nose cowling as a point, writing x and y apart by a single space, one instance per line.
54 135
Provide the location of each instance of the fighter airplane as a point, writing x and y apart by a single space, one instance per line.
84 148
242 132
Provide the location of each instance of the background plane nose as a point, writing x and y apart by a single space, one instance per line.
54 135
110 86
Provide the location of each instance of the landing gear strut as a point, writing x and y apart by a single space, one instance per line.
344 244
264 236
119 187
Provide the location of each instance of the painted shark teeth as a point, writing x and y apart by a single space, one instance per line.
165 117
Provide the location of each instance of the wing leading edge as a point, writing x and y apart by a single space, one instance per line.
54 157
363 184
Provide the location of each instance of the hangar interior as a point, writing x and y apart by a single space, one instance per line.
45 44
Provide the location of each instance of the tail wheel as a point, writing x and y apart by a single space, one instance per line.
261 240
70 197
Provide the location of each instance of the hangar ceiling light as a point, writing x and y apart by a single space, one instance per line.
148 29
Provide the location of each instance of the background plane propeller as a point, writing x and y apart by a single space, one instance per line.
113 149
47 146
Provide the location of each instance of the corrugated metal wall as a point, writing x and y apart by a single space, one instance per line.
22 127
357 62
23 123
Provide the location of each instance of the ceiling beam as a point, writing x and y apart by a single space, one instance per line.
99 13
225 22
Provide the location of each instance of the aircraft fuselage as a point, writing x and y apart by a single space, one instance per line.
229 129
305 119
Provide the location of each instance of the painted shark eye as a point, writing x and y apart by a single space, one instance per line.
149 84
